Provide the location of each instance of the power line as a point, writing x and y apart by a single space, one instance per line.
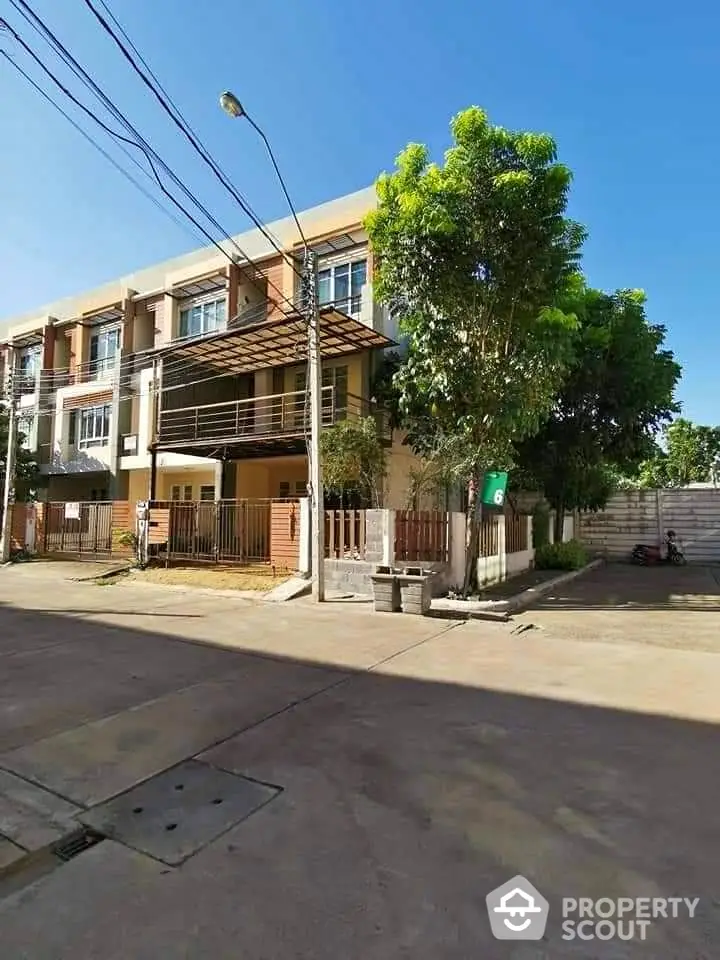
162 98
140 142
46 96
169 100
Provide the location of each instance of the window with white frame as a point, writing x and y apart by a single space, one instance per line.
28 367
207 491
104 348
341 284
90 427
181 492
200 318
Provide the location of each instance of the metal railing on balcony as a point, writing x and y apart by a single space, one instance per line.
274 416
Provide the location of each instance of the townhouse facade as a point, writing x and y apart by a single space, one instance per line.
185 381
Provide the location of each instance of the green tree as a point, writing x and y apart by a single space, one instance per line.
26 470
691 454
471 256
353 459
617 394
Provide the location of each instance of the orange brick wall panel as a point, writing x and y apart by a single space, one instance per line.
159 520
123 517
18 515
284 535
274 273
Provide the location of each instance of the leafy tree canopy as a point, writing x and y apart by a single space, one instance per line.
353 459
691 455
617 393
26 469
471 256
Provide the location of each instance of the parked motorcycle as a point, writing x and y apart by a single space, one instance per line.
648 554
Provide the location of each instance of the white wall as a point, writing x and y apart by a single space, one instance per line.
644 516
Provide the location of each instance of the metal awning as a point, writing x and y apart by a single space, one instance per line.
276 343
200 287
98 317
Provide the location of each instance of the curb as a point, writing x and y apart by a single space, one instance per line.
480 609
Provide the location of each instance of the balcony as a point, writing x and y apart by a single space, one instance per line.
277 423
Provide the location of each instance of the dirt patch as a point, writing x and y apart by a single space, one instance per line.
258 578
515 585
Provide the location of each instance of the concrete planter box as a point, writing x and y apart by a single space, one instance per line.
386 590
415 590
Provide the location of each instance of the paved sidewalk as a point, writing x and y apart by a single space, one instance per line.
420 763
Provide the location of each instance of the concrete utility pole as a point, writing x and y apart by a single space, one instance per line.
232 106
9 487
317 506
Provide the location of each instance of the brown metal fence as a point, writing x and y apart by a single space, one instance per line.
488 536
221 531
82 529
516 532
421 535
345 534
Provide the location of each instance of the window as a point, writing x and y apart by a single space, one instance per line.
342 285
92 427
104 347
29 362
207 491
180 492
26 427
334 401
203 318
298 486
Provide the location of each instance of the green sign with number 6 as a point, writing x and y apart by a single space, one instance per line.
493 489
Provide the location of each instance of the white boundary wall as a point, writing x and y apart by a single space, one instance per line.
644 516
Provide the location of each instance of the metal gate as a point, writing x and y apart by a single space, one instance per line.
80 529
220 531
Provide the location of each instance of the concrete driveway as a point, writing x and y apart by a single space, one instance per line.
418 764
665 606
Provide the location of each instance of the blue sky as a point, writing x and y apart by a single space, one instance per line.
629 90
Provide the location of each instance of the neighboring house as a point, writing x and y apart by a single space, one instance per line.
186 381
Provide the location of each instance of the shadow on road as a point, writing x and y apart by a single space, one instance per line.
618 586
405 801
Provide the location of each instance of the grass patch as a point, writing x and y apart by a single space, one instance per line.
257 578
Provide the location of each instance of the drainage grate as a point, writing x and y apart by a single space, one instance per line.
76 843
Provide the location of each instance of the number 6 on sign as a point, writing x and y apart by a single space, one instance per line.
499 498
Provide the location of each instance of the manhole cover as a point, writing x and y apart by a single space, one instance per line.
172 816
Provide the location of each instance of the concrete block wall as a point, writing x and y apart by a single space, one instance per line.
644 516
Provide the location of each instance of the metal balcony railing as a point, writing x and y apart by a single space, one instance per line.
276 416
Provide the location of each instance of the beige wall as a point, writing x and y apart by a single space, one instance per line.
400 461
138 485
262 478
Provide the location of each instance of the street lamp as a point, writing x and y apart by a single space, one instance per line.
234 109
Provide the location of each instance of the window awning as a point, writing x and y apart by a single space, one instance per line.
276 343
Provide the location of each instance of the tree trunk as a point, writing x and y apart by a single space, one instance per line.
559 522
471 536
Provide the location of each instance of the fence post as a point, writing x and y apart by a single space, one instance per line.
551 526
388 538
304 538
457 548
528 535
502 552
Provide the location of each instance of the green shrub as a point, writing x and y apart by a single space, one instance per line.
571 555
540 525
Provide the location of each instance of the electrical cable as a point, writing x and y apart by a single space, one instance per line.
162 98
140 142
101 150
166 100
